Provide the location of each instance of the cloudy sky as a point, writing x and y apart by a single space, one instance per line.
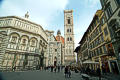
49 13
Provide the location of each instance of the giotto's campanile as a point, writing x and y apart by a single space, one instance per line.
69 37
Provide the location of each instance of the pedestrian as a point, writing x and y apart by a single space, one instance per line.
88 70
99 73
66 72
14 67
55 69
58 68
51 68
69 72
103 70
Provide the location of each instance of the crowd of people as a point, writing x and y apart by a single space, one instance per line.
54 68
67 70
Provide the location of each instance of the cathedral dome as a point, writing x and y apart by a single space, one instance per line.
58 32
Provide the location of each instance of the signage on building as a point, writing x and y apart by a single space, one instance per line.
110 49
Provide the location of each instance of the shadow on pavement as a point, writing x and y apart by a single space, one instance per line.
1 76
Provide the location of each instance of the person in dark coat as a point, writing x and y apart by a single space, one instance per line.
58 68
103 70
69 72
14 68
66 71
99 73
88 70
55 68
51 68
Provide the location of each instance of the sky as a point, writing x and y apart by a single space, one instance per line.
50 13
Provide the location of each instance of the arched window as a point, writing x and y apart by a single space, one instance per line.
70 39
24 41
68 20
14 39
67 30
33 42
70 30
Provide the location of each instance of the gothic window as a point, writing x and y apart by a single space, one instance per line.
55 50
67 30
68 39
68 20
70 30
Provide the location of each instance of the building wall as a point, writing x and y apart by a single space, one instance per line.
93 45
3 44
112 11
24 45
103 39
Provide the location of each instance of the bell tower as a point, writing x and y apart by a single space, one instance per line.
69 37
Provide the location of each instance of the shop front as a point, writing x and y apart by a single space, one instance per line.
109 65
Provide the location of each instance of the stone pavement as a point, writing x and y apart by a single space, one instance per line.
42 75
37 75
112 76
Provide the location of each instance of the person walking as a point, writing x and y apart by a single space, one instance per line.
55 69
66 72
51 68
14 67
58 68
103 70
88 70
99 73
69 72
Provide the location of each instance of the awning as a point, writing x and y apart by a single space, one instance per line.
90 62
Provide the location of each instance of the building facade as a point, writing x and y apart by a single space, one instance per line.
95 47
55 49
111 9
60 40
69 37
23 44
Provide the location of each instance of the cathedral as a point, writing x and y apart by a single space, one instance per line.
61 49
